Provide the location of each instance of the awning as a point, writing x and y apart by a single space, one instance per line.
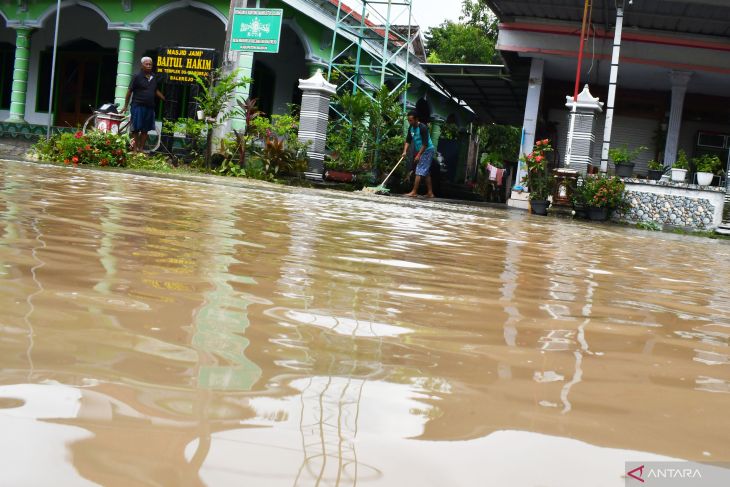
495 93
706 17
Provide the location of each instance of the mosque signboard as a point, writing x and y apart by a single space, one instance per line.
180 65
256 29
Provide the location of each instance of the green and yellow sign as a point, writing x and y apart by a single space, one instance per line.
180 65
256 29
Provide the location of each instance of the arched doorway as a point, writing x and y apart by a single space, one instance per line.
276 76
85 67
181 26
86 74
7 62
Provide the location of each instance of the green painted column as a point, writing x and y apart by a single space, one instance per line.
244 65
436 132
125 64
20 75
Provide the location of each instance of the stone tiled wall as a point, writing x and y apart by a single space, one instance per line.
679 205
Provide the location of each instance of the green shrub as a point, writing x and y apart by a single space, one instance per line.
655 165
623 156
143 162
682 162
708 163
370 133
94 148
604 192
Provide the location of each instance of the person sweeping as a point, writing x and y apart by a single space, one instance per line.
420 138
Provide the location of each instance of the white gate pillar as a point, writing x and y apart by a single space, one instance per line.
581 130
313 120
529 127
680 80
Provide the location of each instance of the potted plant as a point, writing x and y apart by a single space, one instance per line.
539 179
656 170
580 199
603 195
679 168
622 159
707 165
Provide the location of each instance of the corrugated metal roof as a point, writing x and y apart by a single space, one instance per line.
491 91
706 17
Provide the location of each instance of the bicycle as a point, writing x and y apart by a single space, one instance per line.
154 137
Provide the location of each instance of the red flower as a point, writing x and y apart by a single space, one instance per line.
65 161
546 142
88 147
539 158
79 134
104 162
75 159
538 143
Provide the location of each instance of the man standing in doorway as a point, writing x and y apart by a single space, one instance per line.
420 138
142 90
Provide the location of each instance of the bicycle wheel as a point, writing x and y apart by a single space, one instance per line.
89 124
154 138
124 126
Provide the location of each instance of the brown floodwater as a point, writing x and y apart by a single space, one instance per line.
163 333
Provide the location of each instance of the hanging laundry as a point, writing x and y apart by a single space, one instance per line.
492 172
500 176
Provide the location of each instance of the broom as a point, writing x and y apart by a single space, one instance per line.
382 189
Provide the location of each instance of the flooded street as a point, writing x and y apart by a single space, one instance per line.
163 333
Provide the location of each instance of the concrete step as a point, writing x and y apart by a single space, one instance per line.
723 229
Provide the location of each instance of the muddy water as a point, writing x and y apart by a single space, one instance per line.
157 332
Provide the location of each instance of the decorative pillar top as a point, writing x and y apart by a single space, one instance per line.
317 83
585 101
125 30
680 79
22 27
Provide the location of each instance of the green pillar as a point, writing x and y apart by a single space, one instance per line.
20 75
125 64
244 65
436 132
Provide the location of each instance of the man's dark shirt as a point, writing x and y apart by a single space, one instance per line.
143 90
424 135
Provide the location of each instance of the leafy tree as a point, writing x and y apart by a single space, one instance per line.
470 41
459 44
476 13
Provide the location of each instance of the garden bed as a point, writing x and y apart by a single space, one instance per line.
674 204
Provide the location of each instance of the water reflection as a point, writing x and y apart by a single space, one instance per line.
164 333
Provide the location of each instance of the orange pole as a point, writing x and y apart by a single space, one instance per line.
586 9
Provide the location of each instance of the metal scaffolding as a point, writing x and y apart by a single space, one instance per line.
372 43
